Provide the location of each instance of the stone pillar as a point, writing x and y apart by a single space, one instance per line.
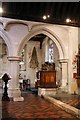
64 83
14 90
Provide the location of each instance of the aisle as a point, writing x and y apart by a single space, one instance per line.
33 107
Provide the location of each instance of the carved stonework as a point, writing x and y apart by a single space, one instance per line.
29 27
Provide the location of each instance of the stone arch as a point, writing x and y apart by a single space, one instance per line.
48 33
63 61
14 22
7 41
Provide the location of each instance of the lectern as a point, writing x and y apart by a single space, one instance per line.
5 78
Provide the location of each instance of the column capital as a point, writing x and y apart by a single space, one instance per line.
14 58
63 60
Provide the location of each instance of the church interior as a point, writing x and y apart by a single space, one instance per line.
40 52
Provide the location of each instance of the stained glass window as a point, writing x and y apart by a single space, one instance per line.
51 53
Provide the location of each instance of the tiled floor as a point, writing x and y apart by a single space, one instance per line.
34 108
73 100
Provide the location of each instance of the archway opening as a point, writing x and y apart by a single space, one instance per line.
46 52
3 60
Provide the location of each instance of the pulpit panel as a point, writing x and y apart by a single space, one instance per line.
47 79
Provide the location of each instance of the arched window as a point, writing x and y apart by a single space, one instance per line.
51 54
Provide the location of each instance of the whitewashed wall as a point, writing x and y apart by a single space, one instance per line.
66 40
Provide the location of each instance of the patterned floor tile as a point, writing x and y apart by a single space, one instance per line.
33 108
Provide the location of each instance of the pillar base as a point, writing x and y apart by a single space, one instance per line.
15 94
64 89
47 91
18 99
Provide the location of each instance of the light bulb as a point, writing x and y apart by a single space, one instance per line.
68 20
44 17
48 16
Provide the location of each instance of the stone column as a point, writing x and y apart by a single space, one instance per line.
14 90
64 83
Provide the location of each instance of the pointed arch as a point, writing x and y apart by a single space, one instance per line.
7 41
48 33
